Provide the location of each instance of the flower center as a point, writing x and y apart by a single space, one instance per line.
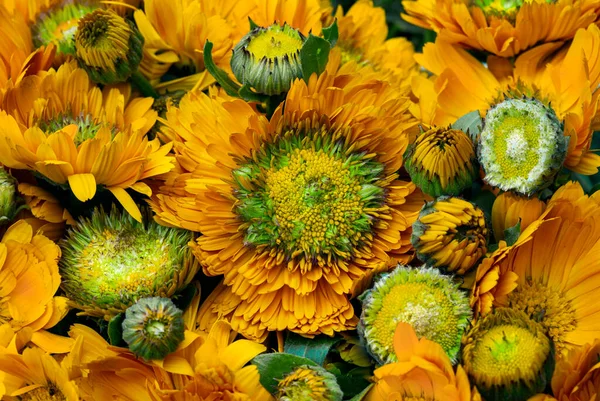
87 127
505 352
306 384
102 39
156 328
275 42
50 392
547 306
58 26
522 145
309 200
499 7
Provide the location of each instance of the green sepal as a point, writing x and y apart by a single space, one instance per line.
230 87
115 330
249 95
315 349
253 24
471 124
511 234
331 33
274 367
313 56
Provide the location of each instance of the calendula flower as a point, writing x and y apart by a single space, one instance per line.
503 28
30 279
423 372
522 146
451 234
551 271
309 383
35 375
268 59
153 327
431 303
510 209
576 377
442 161
110 261
297 211
508 356
566 88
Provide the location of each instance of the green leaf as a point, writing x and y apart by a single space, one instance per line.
273 367
362 395
352 382
248 95
252 24
511 234
471 123
485 200
315 349
314 55
115 330
218 74
331 33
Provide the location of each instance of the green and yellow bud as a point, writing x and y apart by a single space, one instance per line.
442 161
153 327
450 234
430 302
507 356
268 59
108 47
309 383
8 197
110 261
521 146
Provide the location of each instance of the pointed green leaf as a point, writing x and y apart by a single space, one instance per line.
274 367
314 55
315 349
252 24
218 74
471 123
511 234
115 330
331 33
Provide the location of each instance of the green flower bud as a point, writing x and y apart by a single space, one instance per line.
309 383
8 197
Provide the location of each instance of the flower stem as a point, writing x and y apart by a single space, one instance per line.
142 84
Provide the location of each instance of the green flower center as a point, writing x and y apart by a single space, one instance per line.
156 328
499 7
308 198
522 145
58 26
275 42
87 127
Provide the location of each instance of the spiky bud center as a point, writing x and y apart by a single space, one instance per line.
431 303
153 327
87 126
522 146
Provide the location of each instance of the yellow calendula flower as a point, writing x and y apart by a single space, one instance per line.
516 99
298 211
551 271
501 27
35 376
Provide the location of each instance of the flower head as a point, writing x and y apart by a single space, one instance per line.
309 383
508 356
450 234
442 162
431 303
522 146
110 261
107 46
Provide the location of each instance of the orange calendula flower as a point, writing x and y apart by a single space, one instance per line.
576 377
423 372
503 28
550 273
298 211
565 90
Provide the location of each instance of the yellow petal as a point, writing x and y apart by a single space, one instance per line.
125 199
83 186
52 343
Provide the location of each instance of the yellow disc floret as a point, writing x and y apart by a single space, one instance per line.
274 43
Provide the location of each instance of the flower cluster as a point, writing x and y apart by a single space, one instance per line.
285 200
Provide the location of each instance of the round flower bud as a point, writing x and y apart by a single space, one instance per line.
268 59
8 196
430 302
153 327
521 146
508 357
110 261
108 47
442 161
451 234
309 383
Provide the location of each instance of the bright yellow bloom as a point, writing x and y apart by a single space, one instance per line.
35 376
569 86
552 271
509 209
80 136
503 28
337 225
423 372
30 279
577 376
